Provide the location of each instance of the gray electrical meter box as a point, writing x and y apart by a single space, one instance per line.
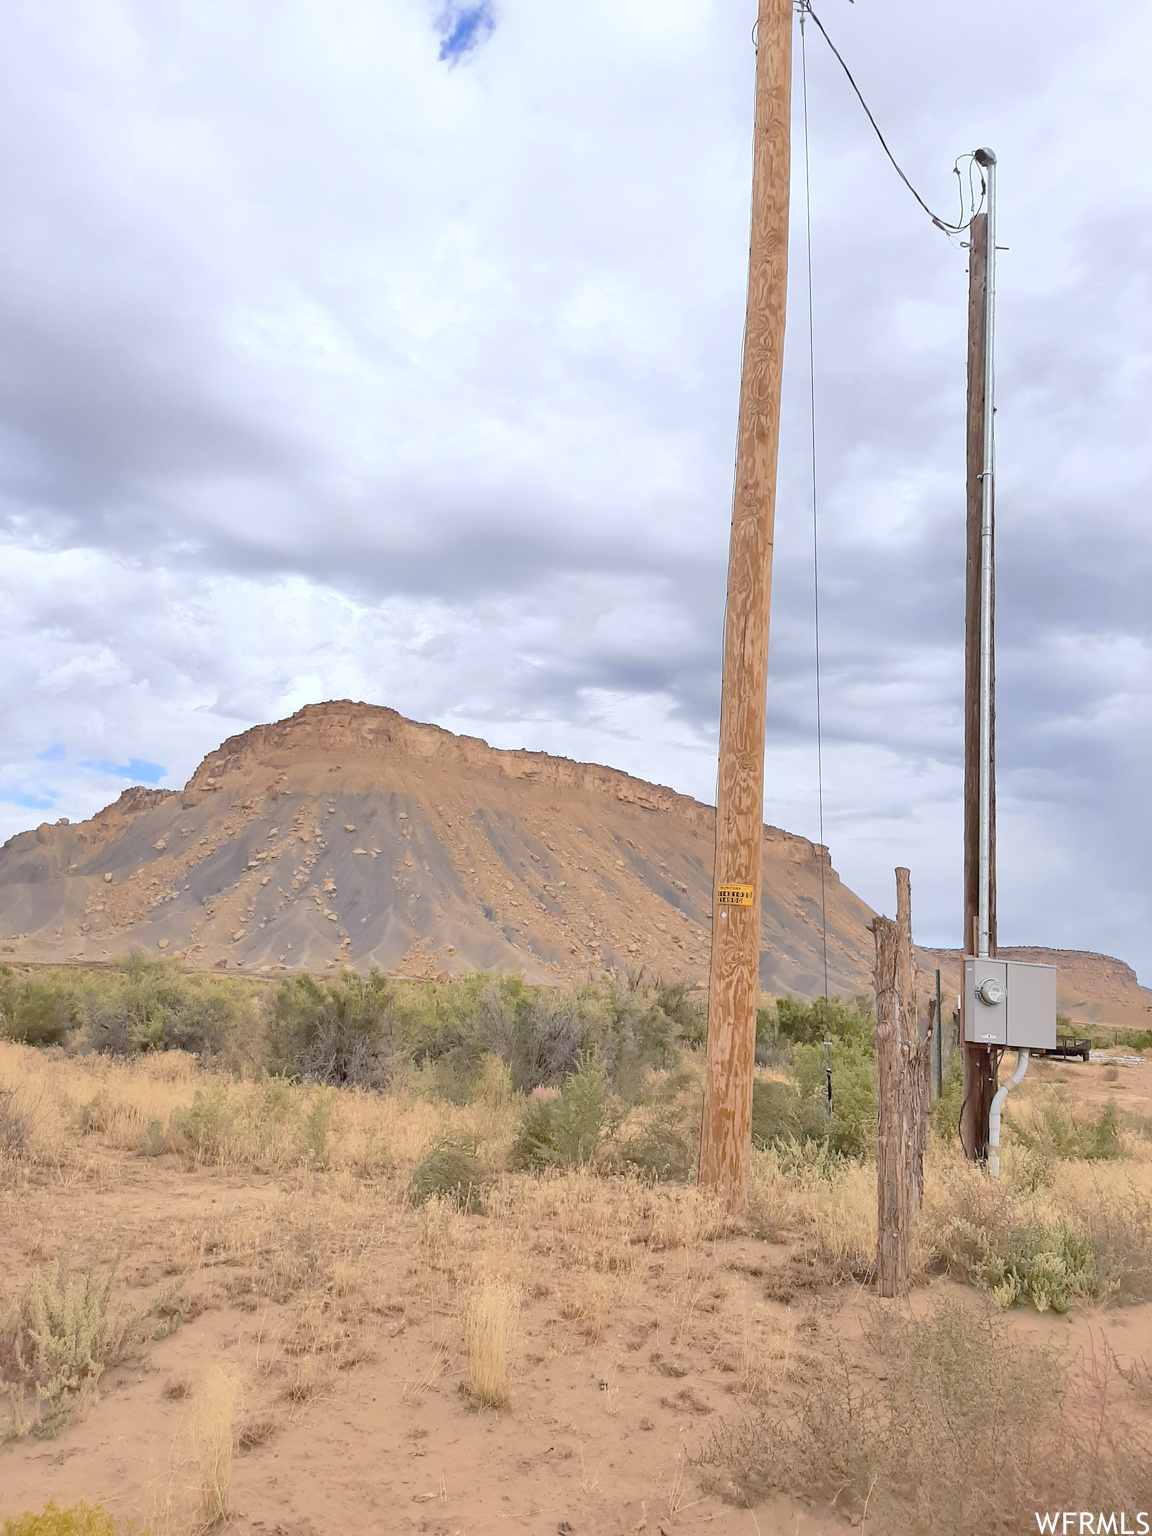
1010 1002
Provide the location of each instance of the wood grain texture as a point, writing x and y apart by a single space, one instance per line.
902 1101
891 1162
726 1131
913 1048
978 1063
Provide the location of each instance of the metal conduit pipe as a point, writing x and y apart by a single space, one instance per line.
994 1113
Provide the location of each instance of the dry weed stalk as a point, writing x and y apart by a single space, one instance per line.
490 1325
215 1424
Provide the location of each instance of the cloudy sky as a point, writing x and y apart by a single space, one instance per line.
391 351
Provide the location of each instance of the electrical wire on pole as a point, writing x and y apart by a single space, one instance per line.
804 7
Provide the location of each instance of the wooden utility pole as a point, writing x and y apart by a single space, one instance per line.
726 1130
979 1080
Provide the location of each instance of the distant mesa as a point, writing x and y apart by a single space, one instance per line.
347 834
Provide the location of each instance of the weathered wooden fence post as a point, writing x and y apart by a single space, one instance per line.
902 1083
891 1162
913 1049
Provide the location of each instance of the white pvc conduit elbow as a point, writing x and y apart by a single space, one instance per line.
994 1113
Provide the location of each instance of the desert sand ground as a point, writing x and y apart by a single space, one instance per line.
307 1345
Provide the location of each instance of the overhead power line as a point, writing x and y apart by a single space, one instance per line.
805 9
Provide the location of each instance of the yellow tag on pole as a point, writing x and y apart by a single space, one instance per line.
732 895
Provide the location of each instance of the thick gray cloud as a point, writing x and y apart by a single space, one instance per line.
353 353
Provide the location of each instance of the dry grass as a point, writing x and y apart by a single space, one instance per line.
319 1241
217 1410
490 1320
895 1429
75 1520
61 1112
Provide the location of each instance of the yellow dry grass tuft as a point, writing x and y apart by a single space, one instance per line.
490 1325
215 1428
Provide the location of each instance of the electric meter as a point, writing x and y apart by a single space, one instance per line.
1010 1003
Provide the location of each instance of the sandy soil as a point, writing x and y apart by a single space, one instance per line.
338 1308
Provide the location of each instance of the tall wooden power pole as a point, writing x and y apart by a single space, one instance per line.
726 1132
979 1076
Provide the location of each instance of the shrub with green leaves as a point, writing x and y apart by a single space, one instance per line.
451 1170
684 1004
945 1112
823 1018
151 1005
359 1030
665 1146
565 1130
37 1010
1052 1129
333 1032
1048 1265
62 1338
797 1111
203 1129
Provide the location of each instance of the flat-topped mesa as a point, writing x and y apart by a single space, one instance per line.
346 729
1104 967
348 835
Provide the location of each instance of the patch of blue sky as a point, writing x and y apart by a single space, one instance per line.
30 799
53 754
463 28
137 769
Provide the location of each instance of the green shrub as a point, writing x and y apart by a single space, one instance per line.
205 1126
851 1129
452 1170
565 1130
77 1520
1052 1129
824 1018
37 1012
989 1234
797 1112
664 1150
992 1233
945 1112
151 1005
356 1030
1051 1266
1134 1039
689 1012
332 1032
59 1341
775 1112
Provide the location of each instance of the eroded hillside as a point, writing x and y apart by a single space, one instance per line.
348 833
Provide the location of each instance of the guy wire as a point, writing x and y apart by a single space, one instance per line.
815 523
